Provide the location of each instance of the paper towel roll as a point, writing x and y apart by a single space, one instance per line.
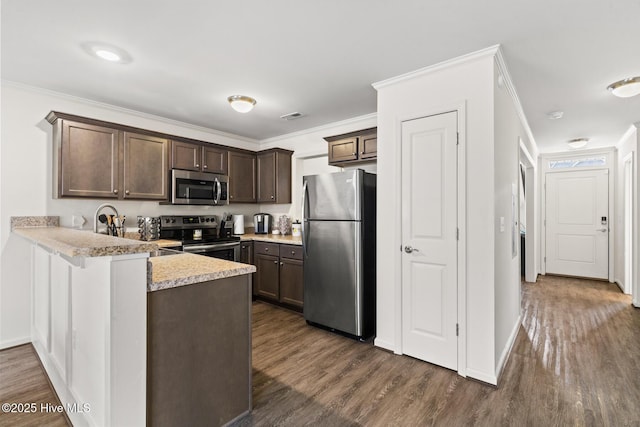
238 224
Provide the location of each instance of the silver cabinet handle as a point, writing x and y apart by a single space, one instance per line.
281 263
275 262
266 249
204 166
115 191
127 192
409 249
197 165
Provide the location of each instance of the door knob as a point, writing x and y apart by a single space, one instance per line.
409 249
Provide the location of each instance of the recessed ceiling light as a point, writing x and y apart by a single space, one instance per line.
555 115
108 55
578 142
107 52
291 116
625 88
241 103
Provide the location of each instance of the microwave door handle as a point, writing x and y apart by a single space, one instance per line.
218 192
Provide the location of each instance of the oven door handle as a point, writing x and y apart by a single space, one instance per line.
203 248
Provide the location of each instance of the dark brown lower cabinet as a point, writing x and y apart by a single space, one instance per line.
279 275
199 353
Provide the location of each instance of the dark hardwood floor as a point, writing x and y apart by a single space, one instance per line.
24 381
576 361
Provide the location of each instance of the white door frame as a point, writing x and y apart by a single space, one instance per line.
460 108
531 263
610 157
629 258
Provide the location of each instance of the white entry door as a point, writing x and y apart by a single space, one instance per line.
429 240
577 215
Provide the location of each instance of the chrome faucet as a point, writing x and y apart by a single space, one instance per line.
95 216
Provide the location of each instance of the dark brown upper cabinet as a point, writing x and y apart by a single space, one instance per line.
197 157
242 177
274 176
95 160
145 164
353 147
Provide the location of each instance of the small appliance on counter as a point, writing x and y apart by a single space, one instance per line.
238 224
284 224
149 227
226 225
261 223
295 228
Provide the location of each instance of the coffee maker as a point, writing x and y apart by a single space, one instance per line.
261 223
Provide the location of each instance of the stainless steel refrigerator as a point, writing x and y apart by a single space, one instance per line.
339 247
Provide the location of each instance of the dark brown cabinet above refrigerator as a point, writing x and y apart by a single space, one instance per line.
354 147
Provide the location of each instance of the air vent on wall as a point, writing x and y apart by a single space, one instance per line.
291 116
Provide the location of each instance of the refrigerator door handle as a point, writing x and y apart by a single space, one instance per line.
302 231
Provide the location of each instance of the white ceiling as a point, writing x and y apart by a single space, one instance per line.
319 57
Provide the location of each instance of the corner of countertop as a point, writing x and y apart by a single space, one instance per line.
34 221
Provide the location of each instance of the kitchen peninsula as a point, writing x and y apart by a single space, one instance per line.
133 340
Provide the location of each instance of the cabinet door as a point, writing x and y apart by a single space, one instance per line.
291 282
214 160
266 277
343 150
242 177
266 183
145 167
368 146
246 252
283 177
185 156
88 161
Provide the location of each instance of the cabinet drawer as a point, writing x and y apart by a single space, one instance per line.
291 251
266 248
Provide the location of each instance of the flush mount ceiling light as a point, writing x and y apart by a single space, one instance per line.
241 103
107 52
625 88
578 142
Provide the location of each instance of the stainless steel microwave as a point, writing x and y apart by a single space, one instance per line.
198 188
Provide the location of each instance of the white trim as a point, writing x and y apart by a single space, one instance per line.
14 342
460 109
383 344
128 111
482 376
507 349
353 120
531 267
489 51
511 89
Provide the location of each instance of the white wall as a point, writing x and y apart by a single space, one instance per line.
467 83
627 145
508 131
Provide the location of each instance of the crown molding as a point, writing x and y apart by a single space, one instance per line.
320 128
115 108
511 89
633 128
489 51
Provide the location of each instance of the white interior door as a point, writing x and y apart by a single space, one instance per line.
429 227
577 215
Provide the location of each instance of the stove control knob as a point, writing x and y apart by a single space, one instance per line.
173 221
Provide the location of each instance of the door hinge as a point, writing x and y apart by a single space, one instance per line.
545 259
457 330
457 234
457 138
545 222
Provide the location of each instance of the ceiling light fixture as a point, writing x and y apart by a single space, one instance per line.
108 55
625 88
106 52
241 103
578 142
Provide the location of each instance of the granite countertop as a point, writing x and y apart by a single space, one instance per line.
72 242
171 271
274 238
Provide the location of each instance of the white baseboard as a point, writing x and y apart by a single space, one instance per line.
482 376
507 349
14 342
384 344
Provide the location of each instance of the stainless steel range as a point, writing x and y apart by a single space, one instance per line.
199 235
